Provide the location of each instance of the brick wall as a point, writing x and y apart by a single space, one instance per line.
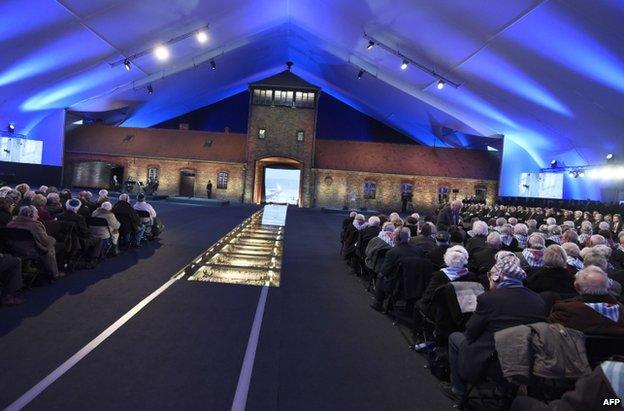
337 188
281 125
169 173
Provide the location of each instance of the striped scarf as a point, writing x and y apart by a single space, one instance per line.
522 240
387 237
611 311
555 238
584 238
359 226
575 262
453 273
506 239
614 371
534 257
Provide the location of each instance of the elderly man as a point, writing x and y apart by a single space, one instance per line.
27 219
532 257
478 235
389 270
111 231
89 243
130 223
483 259
449 216
507 304
594 310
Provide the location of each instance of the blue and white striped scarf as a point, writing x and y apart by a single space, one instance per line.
555 238
506 239
453 273
611 311
614 371
575 262
387 237
534 257
522 240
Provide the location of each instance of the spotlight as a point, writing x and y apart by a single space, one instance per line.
553 163
150 89
440 84
213 65
360 73
11 128
581 173
161 52
404 64
571 173
609 156
201 36
127 64
371 43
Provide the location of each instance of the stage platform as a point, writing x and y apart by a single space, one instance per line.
210 202
331 210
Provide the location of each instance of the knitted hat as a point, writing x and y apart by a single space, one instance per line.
73 204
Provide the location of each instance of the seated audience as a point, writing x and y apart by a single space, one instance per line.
130 227
478 235
436 256
507 304
102 197
521 232
378 246
554 275
594 310
450 216
389 274
27 219
367 234
142 205
89 243
483 259
574 261
39 201
508 241
54 206
424 240
10 280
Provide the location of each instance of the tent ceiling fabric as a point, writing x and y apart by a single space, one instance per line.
547 74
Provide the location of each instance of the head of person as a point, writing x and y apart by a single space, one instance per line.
401 235
54 199
617 218
103 193
513 221
603 226
388 227
555 257
554 230
480 228
586 227
592 280
506 270
394 216
73 205
106 205
536 241
494 240
352 214
22 188
597 239
621 238
501 221
531 224
29 212
572 249
551 221
456 205
425 230
373 221
43 190
456 257
456 237
442 237
29 195
593 258
124 197
570 235
141 199
39 200
521 229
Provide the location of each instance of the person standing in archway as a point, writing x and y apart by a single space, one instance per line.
209 189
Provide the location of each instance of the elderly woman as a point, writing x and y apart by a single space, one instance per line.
378 246
554 276
425 240
102 197
39 202
54 206
532 257
521 234
554 235
570 236
351 235
455 258
586 233
112 230
478 235
574 261
508 241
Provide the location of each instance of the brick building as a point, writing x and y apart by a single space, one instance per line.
281 132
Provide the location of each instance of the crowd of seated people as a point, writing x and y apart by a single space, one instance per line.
473 271
46 233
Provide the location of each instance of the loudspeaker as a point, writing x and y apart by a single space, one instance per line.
455 190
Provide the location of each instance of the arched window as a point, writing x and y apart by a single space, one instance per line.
153 173
222 180
443 195
370 189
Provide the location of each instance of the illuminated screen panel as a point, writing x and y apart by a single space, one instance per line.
20 150
281 185
542 185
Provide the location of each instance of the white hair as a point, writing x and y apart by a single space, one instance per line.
603 225
393 216
555 256
480 227
416 216
374 221
43 189
352 214
551 221
388 226
54 197
500 221
106 205
103 193
494 239
620 235
554 229
521 229
571 249
124 197
597 239
592 280
456 257
535 240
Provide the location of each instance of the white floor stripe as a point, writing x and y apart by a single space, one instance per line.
244 379
31 394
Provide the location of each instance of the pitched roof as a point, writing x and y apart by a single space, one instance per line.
158 143
406 159
285 79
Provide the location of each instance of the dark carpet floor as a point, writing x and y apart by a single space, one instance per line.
321 346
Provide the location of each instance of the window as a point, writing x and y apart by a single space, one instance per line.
370 189
480 191
263 97
152 173
283 98
222 180
406 188
300 135
303 99
262 133
443 195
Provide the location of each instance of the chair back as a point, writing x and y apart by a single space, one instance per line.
19 242
601 347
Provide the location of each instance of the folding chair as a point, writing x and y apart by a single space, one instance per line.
107 243
21 243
